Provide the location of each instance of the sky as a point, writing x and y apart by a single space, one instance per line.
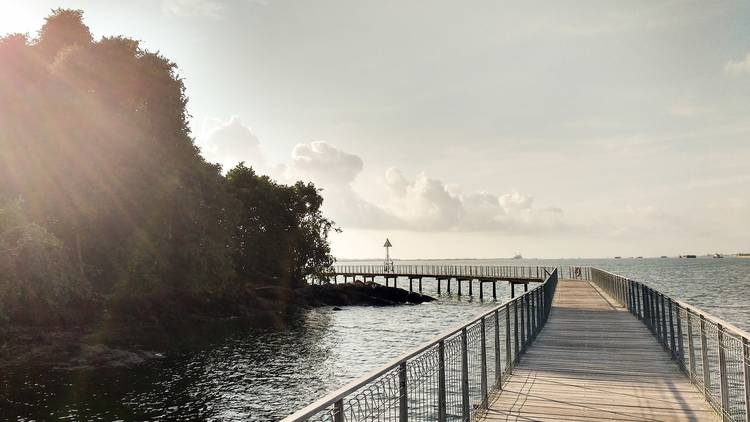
474 129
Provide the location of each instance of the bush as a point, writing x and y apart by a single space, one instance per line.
37 281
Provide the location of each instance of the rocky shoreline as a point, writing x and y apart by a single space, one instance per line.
117 342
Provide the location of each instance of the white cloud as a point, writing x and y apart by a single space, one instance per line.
738 68
210 8
324 164
429 204
334 170
424 203
229 142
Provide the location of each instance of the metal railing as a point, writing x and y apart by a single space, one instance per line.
714 354
449 378
482 271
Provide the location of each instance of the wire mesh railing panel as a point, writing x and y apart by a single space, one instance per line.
453 382
732 347
423 381
491 349
476 369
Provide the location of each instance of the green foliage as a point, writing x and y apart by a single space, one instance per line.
94 139
34 271
281 234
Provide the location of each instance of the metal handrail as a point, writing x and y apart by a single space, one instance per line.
717 361
404 389
477 271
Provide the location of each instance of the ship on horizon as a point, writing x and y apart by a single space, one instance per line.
517 256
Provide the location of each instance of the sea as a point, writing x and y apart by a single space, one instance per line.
237 372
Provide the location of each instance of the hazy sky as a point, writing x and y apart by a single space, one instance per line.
471 128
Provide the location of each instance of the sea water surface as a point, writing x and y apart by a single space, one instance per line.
237 373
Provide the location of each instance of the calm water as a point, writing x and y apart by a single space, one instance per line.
236 373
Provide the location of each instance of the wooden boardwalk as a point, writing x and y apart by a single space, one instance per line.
593 361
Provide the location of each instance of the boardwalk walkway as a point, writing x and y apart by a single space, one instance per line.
594 361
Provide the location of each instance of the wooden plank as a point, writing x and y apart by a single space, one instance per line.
593 361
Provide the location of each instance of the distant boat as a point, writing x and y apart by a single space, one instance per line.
638 257
517 256
664 256
718 255
618 257
689 256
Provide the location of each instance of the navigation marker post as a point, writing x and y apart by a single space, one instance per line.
388 265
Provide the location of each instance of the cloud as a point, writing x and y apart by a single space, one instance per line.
324 163
419 204
210 8
738 68
423 203
229 142
334 170
429 204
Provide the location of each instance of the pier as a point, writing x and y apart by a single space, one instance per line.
601 347
460 279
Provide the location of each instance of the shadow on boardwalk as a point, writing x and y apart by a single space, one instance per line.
594 361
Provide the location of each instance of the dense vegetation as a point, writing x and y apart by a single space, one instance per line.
105 201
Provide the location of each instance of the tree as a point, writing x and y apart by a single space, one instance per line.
281 236
35 276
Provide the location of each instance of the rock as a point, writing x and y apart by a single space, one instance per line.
102 356
357 293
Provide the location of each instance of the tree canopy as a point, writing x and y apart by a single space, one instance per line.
97 160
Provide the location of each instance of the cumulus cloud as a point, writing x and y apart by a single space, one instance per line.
423 203
738 68
229 142
324 163
209 8
429 204
334 170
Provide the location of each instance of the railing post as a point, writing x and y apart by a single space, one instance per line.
483 374
515 330
706 368
403 402
498 362
338 411
691 346
746 374
723 384
654 313
657 315
508 358
465 410
672 344
442 402
638 306
680 345
665 339
529 320
522 300
539 309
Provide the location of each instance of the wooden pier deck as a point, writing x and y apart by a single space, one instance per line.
593 361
